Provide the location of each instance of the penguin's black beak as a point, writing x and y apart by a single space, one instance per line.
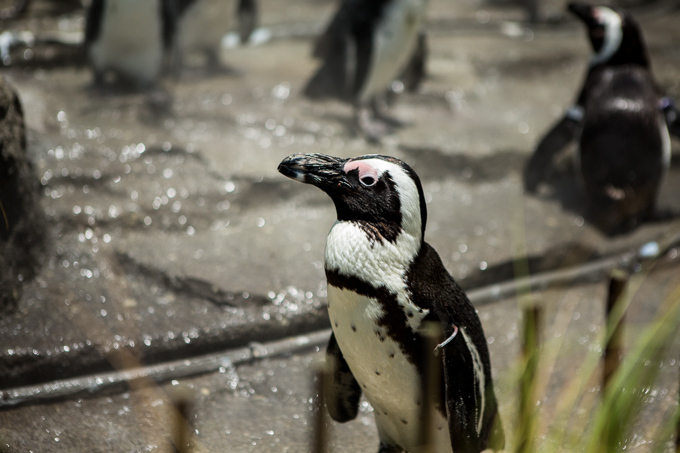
325 172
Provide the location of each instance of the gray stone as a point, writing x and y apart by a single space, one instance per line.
21 220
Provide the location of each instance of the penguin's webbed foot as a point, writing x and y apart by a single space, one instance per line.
372 128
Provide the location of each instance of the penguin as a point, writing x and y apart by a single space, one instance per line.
366 46
203 23
129 38
619 121
384 282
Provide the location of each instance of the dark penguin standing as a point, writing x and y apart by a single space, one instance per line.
129 38
620 122
384 280
366 46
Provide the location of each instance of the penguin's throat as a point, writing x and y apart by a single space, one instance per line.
352 250
379 232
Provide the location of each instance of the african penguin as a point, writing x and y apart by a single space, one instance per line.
203 23
384 281
619 121
366 46
128 38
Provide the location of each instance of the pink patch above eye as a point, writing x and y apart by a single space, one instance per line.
365 169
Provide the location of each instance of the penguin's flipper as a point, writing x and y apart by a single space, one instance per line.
327 43
343 391
331 80
468 394
94 20
346 49
539 166
672 116
335 47
461 390
170 14
247 18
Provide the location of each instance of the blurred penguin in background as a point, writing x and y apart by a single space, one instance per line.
18 8
203 23
365 48
621 122
128 39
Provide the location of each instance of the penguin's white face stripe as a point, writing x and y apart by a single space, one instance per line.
409 197
613 33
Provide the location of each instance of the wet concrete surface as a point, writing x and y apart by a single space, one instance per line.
267 405
173 235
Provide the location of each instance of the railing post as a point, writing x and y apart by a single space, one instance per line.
181 436
320 434
614 319
431 384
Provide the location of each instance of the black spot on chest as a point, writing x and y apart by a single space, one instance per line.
394 321
379 232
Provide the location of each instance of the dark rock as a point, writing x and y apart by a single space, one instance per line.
21 220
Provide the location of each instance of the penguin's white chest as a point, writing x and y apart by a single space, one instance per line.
390 382
393 44
665 145
130 40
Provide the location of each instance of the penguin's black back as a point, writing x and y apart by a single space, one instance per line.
345 48
621 144
94 21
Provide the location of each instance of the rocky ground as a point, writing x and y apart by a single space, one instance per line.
173 239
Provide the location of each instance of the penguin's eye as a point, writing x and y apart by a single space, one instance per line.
368 181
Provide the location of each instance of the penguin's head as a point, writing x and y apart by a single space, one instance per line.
381 191
614 35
